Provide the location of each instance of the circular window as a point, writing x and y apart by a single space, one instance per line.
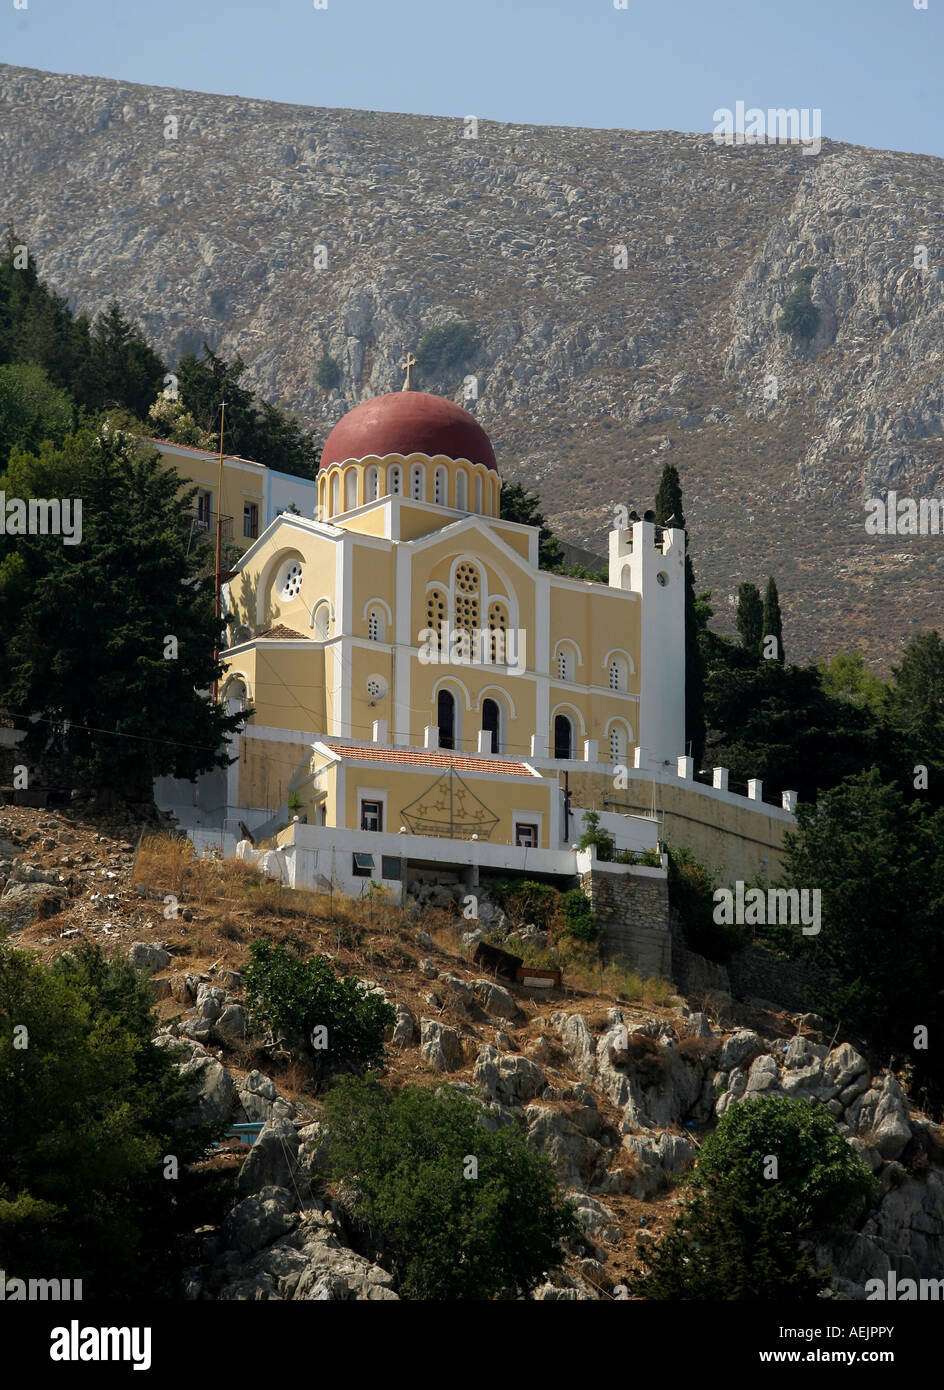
376 687
662 578
289 582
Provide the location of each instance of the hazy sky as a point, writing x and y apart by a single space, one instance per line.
874 68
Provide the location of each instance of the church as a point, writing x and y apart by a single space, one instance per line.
420 689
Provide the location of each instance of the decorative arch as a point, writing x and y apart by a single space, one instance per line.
564 707
478 493
619 738
237 678
268 577
462 490
335 492
350 488
378 603
440 485
394 480
418 482
321 620
620 651
490 692
372 483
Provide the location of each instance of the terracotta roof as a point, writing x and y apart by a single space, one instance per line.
421 757
283 634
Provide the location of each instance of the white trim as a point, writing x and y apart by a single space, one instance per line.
484 694
527 818
569 641
401 711
619 651
371 794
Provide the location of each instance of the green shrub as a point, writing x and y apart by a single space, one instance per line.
526 900
800 317
288 994
328 373
691 892
444 348
593 835
451 1234
745 1233
89 1108
579 917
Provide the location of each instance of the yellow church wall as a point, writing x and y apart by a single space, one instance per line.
373 572
471 685
502 796
288 689
364 661
731 839
595 622
266 769
371 523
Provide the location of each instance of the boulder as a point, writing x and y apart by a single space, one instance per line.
257 1094
273 1160
148 958
210 1001
510 1079
259 1220
892 1132
440 1046
597 1220
843 1065
657 1160
494 999
403 1027
22 904
742 1046
764 1076
233 1022
212 1086
578 1158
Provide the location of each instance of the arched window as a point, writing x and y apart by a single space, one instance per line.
236 698
617 673
322 622
335 494
395 480
371 483
418 482
478 492
350 490
491 722
563 737
376 625
617 744
446 718
440 482
498 628
462 490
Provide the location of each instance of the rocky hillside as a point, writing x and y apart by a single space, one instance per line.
285 233
618 1091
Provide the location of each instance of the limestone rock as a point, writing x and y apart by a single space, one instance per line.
494 999
273 1160
440 1046
148 958
259 1220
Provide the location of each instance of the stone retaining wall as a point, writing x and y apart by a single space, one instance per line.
634 912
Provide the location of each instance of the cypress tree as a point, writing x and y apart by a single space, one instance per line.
750 617
772 622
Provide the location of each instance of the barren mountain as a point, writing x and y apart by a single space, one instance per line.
286 232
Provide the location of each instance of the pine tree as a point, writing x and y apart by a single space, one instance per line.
772 622
107 643
522 507
669 511
750 617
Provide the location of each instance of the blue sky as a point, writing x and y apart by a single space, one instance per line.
872 67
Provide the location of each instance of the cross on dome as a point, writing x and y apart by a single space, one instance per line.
407 367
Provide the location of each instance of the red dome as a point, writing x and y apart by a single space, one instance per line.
408 422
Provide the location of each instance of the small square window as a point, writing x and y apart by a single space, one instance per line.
363 865
389 866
